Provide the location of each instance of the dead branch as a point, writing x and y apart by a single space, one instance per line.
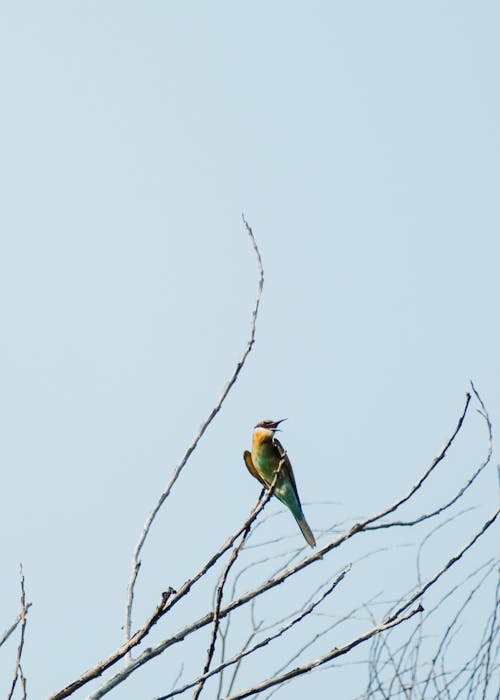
152 653
427 516
13 626
220 590
307 610
420 592
18 673
136 563
167 601
333 654
392 620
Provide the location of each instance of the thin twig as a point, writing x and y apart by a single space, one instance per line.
405 648
178 676
259 645
349 616
419 593
216 622
421 590
423 619
220 590
396 674
426 516
136 563
13 626
253 634
490 639
22 615
22 680
449 630
376 687
333 654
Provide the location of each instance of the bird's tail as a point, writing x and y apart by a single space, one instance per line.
306 530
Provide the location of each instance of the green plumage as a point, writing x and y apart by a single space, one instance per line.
263 462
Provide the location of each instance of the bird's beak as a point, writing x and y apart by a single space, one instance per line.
278 422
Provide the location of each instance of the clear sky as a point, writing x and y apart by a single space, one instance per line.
362 142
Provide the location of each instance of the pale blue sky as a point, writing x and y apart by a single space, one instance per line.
362 142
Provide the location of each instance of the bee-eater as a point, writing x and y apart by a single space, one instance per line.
262 463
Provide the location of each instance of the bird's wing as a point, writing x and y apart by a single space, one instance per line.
253 471
287 466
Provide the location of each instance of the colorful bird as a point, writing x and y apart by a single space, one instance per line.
262 463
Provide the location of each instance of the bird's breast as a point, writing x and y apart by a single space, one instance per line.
265 457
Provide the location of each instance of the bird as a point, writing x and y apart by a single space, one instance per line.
263 461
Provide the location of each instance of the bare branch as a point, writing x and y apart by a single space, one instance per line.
333 654
259 645
220 590
398 615
490 638
22 616
13 626
350 615
136 563
391 660
168 600
253 634
419 593
438 684
460 492
449 630
430 469
409 668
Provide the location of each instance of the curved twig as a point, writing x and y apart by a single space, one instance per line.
136 563
18 672
426 516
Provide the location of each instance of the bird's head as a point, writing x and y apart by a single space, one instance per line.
269 426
